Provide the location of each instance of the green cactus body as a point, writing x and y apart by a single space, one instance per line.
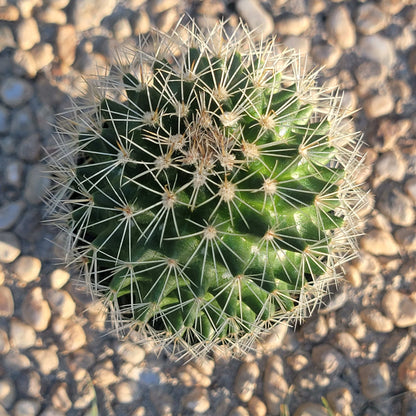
209 193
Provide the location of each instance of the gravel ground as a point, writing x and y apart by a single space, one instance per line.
358 352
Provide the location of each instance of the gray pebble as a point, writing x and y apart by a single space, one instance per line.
314 330
394 348
400 308
396 206
14 173
379 243
27 33
7 392
86 14
4 118
406 237
37 182
256 17
370 19
35 310
390 165
27 268
370 74
6 302
21 335
23 124
301 44
375 379
410 188
245 382
26 407
9 247
340 27
327 359
51 411
15 91
377 48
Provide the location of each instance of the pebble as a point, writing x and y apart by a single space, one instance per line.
160 6
377 48
27 268
4 119
47 360
7 392
26 7
122 29
353 276
162 401
29 384
396 206
310 409
197 400
346 342
7 38
257 407
6 302
131 353
245 382
21 335
379 243
59 397
370 19
61 302
255 16
190 376
22 125
57 4
167 20
327 359
4 342
127 391
27 33
10 213
376 320
378 105
340 401
390 165
326 54
51 16
406 237
394 348
314 330
42 54
370 74
299 43
25 63
275 387
407 372
375 379
26 407
15 361
35 310
9 247
340 27
400 308
86 14
104 374
73 337
297 361
410 188
293 25
66 43
14 173
392 6
9 13
51 411
274 339
15 91
141 23
239 411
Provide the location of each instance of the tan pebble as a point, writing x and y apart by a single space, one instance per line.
257 407
310 409
104 374
73 337
35 310
375 379
66 43
400 308
256 17
58 278
376 320
294 25
21 335
27 33
347 344
297 361
4 342
340 401
327 358
190 376
407 372
239 411
379 242
61 302
197 400
353 276
42 54
245 382
275 387
340 27
9 13
378 105
52 16
127 391
27 268
406 237
46 359
370 19
6 302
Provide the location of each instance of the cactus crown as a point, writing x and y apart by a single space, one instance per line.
209 189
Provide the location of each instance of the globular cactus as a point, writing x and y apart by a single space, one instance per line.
209 190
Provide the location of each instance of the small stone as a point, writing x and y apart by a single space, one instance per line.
197 400
340 401
9 247
25 63
395 347
66 43
37 183
26 407
6 302
27 268
375 379
35 310
407 372
4 119
27 33
275 387
326 54
379 243
130 353
122 29
61 302
58 278
29 384
127 391
10 213
406 237
347 344
4 342
14 173
377 48
293 25
51 16
9 13
297 361
299 43
73 337
314 330
370 74
257 407
390 165
16 362
327 359
160 6
378 105
7 392
22 125
255 16
51 411
392 6
141 23
376 320
15 91
239 411
21 335
87 14
396 206
190 376
353 276
46 359
42 54
274 339
340 27
26 7
400 308
410 188
370 19
6 37
245 382
57 4
59 398
310 409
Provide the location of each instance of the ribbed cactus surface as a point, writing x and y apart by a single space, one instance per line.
208 192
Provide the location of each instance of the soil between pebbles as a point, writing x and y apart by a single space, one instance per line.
358 352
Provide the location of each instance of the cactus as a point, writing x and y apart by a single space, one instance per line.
208 191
